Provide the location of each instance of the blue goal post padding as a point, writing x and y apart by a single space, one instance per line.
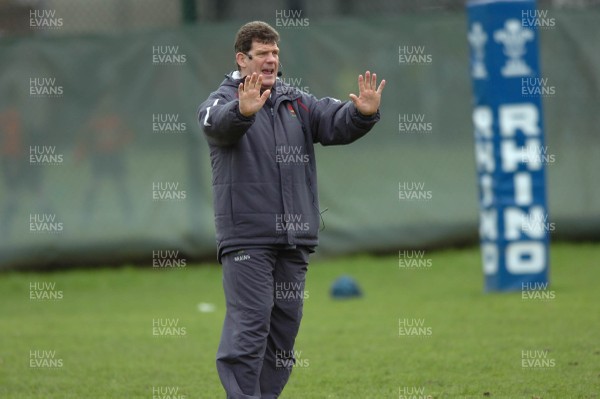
509 143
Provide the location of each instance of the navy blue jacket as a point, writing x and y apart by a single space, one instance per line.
264 175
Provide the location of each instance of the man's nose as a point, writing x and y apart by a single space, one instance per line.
271 59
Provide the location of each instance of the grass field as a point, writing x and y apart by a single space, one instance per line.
101 331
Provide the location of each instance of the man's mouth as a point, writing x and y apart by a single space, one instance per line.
268 71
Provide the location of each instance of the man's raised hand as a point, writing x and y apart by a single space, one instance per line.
367 102
251 101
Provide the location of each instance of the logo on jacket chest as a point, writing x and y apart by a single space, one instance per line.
291 110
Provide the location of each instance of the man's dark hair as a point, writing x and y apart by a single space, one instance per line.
260 31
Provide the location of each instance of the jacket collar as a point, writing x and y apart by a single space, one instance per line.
285 92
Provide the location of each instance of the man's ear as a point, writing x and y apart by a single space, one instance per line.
240 59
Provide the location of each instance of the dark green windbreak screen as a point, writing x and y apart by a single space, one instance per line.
102 160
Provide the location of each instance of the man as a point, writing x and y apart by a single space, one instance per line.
261 134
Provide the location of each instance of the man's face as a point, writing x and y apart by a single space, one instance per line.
265 61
